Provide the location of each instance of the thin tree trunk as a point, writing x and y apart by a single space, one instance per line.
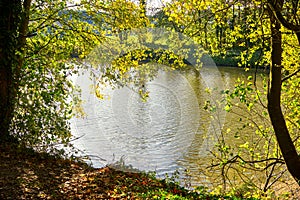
284 140
143 5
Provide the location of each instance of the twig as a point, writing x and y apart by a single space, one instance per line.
291 75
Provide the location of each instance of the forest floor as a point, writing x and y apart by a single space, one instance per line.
25 174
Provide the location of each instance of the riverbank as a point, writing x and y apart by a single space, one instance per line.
25 174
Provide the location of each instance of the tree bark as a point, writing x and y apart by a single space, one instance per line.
14 19
8 44
283 137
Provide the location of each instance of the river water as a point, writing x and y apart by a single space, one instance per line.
170 131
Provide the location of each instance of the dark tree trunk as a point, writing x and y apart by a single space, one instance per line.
5 83
205 35
14 18
9 20
284 140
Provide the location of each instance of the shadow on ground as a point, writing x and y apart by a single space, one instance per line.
25 174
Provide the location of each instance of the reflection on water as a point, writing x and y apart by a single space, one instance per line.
170 131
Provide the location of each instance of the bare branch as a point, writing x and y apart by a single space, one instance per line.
291 75
237 157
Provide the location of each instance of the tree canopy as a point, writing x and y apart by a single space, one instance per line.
43 42
253 34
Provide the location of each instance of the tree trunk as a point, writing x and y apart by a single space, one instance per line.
5 82
14 21
143 5
8 44
283 137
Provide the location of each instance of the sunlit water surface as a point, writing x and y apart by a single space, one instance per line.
170 131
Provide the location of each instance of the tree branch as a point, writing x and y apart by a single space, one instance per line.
237 157
291 75
277 13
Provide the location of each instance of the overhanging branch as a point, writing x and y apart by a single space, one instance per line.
277 13
291 75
